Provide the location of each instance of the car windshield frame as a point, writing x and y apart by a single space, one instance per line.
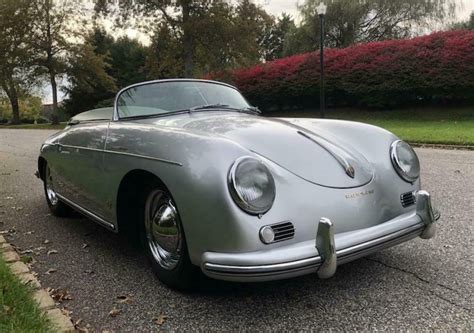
116 115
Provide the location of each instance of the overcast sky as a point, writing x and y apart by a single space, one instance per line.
276 7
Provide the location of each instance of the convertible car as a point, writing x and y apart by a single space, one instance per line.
191 169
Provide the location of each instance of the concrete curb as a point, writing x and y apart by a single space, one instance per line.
441 146
46 303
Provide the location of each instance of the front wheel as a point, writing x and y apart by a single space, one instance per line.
165 243
56 207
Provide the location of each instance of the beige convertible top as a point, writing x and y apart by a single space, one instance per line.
96 114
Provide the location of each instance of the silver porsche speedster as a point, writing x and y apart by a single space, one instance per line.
191 169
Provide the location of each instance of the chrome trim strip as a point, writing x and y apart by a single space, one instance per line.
343 256
361 250
89 214
264 269
121 153
143 156
348 168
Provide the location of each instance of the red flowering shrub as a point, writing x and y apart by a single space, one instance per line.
438 68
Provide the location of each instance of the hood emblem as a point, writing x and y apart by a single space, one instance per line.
350 171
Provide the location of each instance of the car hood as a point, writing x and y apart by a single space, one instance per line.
314 155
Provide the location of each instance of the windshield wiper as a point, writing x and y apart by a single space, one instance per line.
252 109
210 106
219 106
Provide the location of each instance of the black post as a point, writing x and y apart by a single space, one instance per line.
321 63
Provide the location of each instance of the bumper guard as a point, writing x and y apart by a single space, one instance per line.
325 263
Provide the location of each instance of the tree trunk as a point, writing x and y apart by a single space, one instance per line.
188 41
54 88
13 96
9 87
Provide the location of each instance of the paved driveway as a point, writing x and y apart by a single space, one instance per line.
416 285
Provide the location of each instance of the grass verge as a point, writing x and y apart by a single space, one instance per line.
18 311
448 126
427 125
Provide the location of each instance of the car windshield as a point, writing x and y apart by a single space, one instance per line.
159 98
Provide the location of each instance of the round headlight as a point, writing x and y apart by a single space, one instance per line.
251 185
405 161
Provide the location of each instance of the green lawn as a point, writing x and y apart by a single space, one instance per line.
451 126
35 126
435 126
18 311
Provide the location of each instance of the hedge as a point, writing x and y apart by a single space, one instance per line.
432 69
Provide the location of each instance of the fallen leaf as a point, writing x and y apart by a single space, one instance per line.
124 299
60 295
52 252
66 311
114 312
46 241
160 320
84 245
50 271
26 251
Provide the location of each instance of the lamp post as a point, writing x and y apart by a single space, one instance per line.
321 9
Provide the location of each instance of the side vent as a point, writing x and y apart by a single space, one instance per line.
408 199
283 231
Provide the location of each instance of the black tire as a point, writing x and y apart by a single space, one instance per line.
173 268
57 207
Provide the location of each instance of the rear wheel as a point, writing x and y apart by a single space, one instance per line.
56 207
164 241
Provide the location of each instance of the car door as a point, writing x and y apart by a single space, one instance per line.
81 154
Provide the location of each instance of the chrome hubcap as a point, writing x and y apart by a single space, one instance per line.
52 197
163 229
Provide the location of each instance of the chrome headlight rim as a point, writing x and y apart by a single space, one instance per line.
236 195
396 162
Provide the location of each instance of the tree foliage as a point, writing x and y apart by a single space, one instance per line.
15 60
52 29
101 67
194 37
89 81
349 22
30 108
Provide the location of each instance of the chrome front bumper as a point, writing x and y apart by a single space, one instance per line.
331 250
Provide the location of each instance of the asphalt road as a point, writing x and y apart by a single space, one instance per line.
417 285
